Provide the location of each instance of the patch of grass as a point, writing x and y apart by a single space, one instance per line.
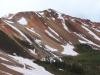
87 63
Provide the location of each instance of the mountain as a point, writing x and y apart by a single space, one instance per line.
46 38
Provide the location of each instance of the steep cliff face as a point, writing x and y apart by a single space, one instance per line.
46 35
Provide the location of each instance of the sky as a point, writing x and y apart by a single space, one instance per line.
89 9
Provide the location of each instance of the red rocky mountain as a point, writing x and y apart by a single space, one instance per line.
43 35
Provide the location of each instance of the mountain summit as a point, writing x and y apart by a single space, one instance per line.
43 36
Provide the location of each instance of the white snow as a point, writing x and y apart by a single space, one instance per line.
3 59
38 14
32 51
68 50
65 26
33 70
38 41
81 41
92 33
63 21
60 16
51 34
10 16
73 20
85 24
50 48
32 30
18 31
52 18
49 10
86 40
10 21
23 21
43 59
61 69
53 31
96 29
41 13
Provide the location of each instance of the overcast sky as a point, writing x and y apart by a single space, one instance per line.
80 8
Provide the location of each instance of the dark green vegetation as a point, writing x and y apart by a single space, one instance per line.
86 63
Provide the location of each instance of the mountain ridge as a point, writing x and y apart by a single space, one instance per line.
46 35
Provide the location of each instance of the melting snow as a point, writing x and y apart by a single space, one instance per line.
23 21
51 34
61 69
73 20
38 14
35 69
11 16
3 59
18 31
96 29
32 51
60 16
49 10
86 40
10 21
50 48
41 13
53 18
81 41
93 34
32 30
38 41
63 21
65 26
68 50
53 31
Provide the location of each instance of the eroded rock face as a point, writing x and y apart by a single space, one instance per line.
46 35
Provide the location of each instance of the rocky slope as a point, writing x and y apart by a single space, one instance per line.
43 35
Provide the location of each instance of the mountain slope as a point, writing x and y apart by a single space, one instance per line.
46 36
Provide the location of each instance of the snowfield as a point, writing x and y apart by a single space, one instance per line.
33 69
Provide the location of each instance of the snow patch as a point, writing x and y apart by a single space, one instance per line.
35 69
10 21
81 41
32 51
32 30
65 26
63 22
87 41
23 21
51 34
3 59
61 69
73 20
96 30
92 33
53 18
41 13
53 31
68 50
50 48
18 31
60 16
11 16
38 41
